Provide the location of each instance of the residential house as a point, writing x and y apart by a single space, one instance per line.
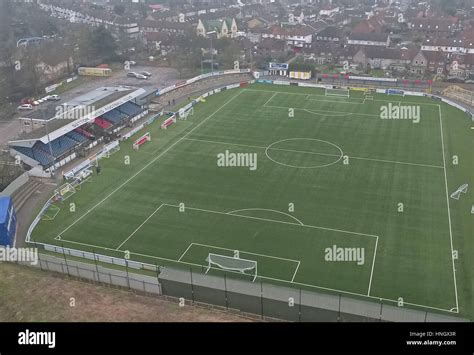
444 26
165 26
223 27
449 45
299 36
328 52
383 58
375 24
329 10
428 61
369 39
330 34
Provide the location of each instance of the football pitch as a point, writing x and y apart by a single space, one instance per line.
321 192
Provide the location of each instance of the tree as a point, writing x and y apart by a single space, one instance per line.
99 44
119 9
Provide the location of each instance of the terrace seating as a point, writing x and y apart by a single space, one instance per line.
59 146
78 137
114 116
130 109
102 123
84 132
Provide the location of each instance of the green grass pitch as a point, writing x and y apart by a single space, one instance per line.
329 173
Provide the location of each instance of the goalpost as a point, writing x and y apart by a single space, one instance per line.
230 263
461 190
369 94
64 192
337 92
184 114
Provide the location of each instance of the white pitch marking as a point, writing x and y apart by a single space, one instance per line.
279 280
449 211
182 255
151 162
270 99
247 252
275 221
298 93
141 225
373 265
266 209
294 275
315 153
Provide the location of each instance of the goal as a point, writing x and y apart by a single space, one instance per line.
395 92
230 263
65 191
142 140
461 190
184 114
338 92
369 94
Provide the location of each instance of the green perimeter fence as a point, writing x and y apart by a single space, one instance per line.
257 299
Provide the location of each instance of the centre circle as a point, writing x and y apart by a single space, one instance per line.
333 155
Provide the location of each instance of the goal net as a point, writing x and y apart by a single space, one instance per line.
461 190
395 92
65 191
108 150
230 263
184 114
50 213
338 92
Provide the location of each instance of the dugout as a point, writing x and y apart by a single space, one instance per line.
7 221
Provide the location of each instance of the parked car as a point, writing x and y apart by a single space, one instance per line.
25 107
141 76
54 98
147 74
132 74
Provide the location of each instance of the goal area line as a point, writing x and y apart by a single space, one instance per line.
350 98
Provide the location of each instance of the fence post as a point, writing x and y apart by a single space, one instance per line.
339 309
65 260
126 269
299 308
225 292
96 267
261 298
381 309
192 285
157 274
39 259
